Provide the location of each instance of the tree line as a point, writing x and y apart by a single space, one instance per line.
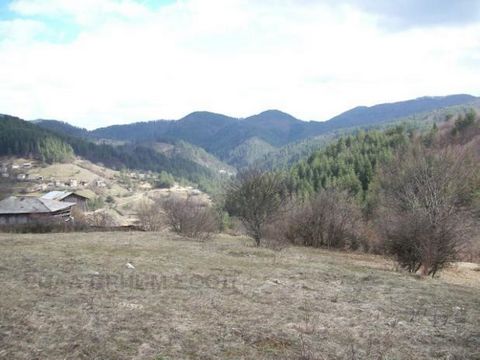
348 164
412 195
20 138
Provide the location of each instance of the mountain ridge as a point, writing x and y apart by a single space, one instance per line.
385 111
226 137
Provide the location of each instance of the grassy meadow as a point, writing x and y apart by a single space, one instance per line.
72 296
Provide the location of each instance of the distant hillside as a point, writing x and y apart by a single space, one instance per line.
248 152
196 128
62 128
286 156
199 128
182 149
21 138
148 131
363 115
240 142
350 162
171 149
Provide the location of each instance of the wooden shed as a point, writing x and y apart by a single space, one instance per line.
70 197
28 209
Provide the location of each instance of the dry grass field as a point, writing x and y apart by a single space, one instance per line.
71 296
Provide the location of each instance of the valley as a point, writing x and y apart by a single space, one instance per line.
137 163
256 139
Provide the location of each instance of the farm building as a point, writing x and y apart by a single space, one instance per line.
67 196
22 210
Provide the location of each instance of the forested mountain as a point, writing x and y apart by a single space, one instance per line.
171 149
21 138
198 146
363 115
242 142
139 157
62 128
248 152
286 156
185 150
350 163
197 128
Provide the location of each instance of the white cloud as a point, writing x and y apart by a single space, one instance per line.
20 31
238 57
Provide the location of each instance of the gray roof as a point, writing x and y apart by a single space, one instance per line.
60 195
56 195
31 205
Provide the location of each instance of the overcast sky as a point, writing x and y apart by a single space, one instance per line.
100 62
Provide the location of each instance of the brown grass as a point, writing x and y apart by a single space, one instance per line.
71 296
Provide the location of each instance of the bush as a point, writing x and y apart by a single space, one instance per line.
424 215
101 219
330 219
464 122
190 218
150 216
79 220
225 221
164 181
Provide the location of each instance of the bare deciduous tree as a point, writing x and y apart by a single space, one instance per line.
256 198
190 218
425 212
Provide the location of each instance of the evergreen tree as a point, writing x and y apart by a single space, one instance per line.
348 164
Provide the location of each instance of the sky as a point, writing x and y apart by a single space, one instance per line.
96 63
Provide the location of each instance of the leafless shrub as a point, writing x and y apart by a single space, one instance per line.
150 216
190 218
425 213
256 197
78 216
330 219
78 221
471 251
371 241
101 219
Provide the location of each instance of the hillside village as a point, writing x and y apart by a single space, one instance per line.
102 190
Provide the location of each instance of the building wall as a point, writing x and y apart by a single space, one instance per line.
81 202
19 219
14 219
